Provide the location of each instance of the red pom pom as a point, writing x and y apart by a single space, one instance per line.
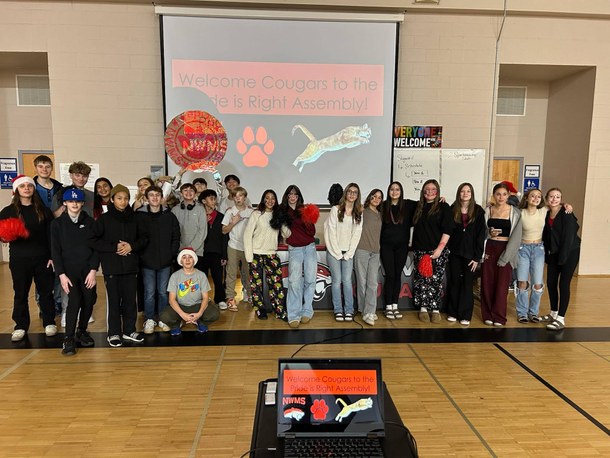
425 266
310 213
12 229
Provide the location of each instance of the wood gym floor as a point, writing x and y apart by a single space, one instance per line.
517 391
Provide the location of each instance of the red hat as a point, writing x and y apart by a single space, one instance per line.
20 179
511 187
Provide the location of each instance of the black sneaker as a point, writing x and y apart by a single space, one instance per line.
68 348
115 341
84 339
261 314
134 337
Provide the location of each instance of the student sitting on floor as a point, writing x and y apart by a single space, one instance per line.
188 296
75 265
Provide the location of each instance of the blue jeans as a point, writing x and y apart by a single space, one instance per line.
302 270
341 273
155 281
531 264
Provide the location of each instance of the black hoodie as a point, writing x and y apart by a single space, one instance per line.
112 227
70 247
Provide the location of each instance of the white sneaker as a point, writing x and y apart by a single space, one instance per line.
369 319
246 298
17 335
375 317
91 319
149 326
465 322
163 326
50 330
451 319
63 319
222 305
489 322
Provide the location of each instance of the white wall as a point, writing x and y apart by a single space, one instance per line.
523 136
105 72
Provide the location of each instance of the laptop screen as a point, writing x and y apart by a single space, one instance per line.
318 397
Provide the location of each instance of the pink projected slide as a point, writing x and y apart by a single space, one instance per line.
270 88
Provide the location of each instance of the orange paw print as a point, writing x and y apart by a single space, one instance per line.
255 149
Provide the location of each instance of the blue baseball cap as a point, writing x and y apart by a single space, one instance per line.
74 194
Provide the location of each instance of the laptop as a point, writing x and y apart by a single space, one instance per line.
328 403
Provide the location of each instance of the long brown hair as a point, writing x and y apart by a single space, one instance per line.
36 202
367 201
357 211
387 205
457 205
523 203
422 201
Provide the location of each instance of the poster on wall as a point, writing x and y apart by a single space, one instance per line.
8 172
418 136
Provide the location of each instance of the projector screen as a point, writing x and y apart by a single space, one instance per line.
309 103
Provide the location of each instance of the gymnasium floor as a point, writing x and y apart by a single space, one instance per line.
516 391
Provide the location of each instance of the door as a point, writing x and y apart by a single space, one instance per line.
507 169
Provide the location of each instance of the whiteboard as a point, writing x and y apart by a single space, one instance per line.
451 167
413 167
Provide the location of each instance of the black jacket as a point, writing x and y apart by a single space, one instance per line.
216 242
397 234
429 229
108 230
163 238
70 249
57 186
562 237
468 242
37 244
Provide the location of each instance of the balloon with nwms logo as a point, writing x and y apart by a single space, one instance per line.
196 140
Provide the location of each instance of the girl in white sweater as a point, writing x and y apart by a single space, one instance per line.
260 247
342 232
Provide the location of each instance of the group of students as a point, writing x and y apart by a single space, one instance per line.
453 243
72 230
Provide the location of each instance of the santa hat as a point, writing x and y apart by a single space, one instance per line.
510 186
189 251
20 179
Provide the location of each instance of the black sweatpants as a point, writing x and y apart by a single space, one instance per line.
211 262
460 298
80 299
121 293
558 279
393 258
23 270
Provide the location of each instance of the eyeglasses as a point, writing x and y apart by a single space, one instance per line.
352 192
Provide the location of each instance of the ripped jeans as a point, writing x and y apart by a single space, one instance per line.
530 269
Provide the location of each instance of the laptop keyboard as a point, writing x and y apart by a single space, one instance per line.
355 447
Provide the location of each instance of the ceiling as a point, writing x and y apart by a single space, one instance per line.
540 73
24 61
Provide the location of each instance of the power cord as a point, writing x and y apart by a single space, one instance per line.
330 339
266 449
